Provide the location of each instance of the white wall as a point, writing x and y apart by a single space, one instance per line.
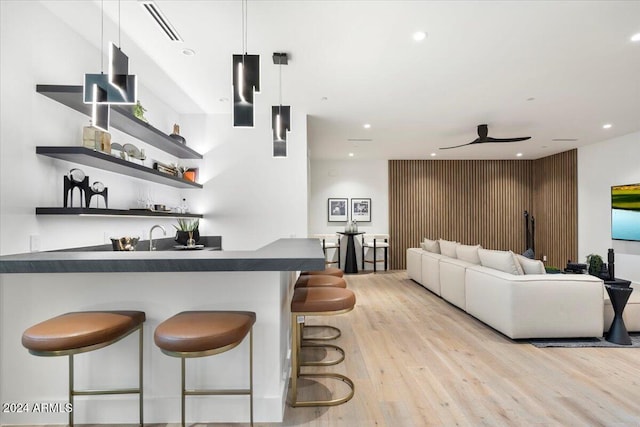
349 179
249 198
612 162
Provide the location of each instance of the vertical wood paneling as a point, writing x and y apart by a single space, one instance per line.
482 202
555 201
470 201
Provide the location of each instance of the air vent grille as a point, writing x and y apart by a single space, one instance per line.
160 19
565 139
360 140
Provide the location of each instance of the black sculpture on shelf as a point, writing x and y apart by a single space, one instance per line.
77 179
611 260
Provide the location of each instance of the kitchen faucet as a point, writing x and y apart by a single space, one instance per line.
151 247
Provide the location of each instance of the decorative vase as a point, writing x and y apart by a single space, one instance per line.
182 237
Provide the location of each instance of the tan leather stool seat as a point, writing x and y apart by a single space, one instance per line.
313 300
318 281
197 331
80 329
329 271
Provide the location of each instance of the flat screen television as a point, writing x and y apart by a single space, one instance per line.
625 212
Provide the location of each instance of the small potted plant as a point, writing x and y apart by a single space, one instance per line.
187 231
594 263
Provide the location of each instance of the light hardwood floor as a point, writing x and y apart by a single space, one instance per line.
417 360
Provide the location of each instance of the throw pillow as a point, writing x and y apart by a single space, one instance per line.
468 253
531 266
529 254
431 246
500 260
448 248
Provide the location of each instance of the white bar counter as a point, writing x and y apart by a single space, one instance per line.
35 287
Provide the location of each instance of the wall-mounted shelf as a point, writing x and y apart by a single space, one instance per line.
113 212
97 159
121 119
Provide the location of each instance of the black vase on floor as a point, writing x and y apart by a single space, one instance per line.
183 236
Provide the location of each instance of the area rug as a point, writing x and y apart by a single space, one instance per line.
583 342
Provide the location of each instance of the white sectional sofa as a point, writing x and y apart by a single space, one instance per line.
533 305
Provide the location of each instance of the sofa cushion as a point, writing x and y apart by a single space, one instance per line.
500 260
430 246
531 266
448 248
468 253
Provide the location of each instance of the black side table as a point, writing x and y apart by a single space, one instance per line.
350 260
619 296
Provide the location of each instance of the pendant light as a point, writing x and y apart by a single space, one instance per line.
245 80
116 87
280 114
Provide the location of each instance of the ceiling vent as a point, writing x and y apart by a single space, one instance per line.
564 139
360 140
160 19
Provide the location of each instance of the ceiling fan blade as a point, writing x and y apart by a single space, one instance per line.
457 146
490 139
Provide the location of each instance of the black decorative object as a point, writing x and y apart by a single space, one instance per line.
611 264
530 235
246 82
77 179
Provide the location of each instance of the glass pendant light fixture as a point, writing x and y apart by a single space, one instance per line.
245 81
280 114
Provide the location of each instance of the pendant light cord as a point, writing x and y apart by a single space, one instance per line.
101 36
119 31
280 99
244 29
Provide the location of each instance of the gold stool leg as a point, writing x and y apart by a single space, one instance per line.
183 392
71 390
140 379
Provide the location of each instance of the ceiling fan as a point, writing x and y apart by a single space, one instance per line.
483 138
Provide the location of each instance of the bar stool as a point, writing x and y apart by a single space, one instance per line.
329 241
324 301
80 332
205 333
320 281
329 271
377 241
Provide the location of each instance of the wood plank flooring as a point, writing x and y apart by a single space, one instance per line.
418 361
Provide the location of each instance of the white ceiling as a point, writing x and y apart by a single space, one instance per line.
545 69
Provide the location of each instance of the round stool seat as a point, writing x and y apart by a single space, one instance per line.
329 271
318 281
201 331
326 299
72 331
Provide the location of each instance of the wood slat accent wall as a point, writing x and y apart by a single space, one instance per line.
470 201
482 202
555 207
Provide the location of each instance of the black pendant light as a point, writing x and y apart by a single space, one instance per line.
246 80
280 114
116 87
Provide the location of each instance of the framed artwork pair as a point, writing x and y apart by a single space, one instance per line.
338 210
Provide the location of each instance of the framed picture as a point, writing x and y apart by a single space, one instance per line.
338 210
361 210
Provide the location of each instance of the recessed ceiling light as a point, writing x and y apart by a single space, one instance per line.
531 99
366 126
419 36
223 99
324 98
433 154
606 126
351 154
519 155
635 37
188 52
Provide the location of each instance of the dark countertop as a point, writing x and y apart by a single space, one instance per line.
281 255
